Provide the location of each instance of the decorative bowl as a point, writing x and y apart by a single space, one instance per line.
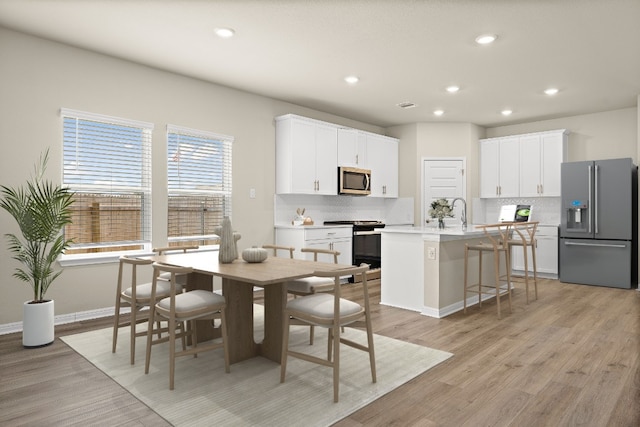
255 254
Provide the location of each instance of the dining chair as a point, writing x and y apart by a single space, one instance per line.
331 311
182 279
137 297
277 248
313 284
496 244
523 235
184 307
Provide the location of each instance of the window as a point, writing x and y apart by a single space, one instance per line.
107 163
199 184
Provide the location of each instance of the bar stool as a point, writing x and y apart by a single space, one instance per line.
524 235
498 236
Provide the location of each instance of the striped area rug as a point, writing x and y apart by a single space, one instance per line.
252 395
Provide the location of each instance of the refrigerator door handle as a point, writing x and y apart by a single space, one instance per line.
600 245
589 200
595 196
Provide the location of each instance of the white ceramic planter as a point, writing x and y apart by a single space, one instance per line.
37 324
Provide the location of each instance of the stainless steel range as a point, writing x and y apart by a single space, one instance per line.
365 241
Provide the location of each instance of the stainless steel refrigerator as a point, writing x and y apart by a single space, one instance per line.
598 229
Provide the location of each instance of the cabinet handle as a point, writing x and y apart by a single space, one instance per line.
496 190
541 189
357 159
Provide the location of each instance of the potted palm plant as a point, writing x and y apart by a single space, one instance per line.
41 210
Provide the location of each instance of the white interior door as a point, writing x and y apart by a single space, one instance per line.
443 178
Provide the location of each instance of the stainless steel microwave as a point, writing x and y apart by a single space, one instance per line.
354 181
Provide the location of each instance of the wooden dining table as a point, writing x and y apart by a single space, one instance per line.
238 281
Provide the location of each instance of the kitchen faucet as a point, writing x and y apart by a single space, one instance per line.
463 217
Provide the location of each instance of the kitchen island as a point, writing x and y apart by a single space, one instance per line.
423 268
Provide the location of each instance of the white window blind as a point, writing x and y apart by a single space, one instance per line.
107 163
199 184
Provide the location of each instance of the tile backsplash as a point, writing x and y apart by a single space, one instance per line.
545 210
335 208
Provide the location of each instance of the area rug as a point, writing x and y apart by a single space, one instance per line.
252 395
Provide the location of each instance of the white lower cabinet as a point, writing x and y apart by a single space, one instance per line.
546 252
333 238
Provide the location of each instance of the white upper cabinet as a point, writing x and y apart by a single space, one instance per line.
499 167
382 159
352 148
522 165
306 156
308 153
541 155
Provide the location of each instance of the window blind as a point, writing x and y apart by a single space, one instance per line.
107 163
199 184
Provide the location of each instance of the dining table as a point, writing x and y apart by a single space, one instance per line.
238 281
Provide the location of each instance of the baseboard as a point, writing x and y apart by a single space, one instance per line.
10 328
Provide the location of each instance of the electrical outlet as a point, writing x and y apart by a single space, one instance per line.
431 253
252 193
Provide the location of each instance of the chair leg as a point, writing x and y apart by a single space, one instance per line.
466 269
479 278
116 325
147 359
285 347
132 338
311 331
336 362
372 356
508 270
496 266
194 335
535 269
172 353
526 271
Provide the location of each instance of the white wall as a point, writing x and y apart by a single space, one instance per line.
38 77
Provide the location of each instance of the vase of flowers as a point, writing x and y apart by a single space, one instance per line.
440 209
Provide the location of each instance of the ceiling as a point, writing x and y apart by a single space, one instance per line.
402 51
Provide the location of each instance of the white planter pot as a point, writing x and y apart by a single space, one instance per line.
37 324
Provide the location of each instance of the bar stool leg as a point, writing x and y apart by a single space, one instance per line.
479 278
535 268
466 269
496 265
508 271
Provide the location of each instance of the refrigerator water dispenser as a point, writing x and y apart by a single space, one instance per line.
577 216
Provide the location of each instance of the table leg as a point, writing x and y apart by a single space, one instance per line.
239 297
275 297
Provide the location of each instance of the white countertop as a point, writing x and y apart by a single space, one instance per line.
317 225
454 232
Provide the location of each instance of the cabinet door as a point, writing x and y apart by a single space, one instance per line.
326 160
382 158
303 161
509 161
553 150
547 254
530 166
352 148
489 168
344 247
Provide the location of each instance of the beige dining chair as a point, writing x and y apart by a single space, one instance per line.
329 310
182 279
523 235
277 248
184 307
497 236
314 284
137 297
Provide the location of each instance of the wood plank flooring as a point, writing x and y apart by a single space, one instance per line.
571 358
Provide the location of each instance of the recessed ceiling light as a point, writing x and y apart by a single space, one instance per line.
486 39
453 89
225 33
406 105
551 91
438 112
352 79
506 112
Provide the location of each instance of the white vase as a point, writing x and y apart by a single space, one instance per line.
37 324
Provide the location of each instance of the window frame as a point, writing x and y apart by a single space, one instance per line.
145 190
227 188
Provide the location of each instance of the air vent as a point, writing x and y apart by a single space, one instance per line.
407 105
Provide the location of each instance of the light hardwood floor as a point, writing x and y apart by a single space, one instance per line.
571 358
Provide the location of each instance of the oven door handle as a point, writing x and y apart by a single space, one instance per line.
366 233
